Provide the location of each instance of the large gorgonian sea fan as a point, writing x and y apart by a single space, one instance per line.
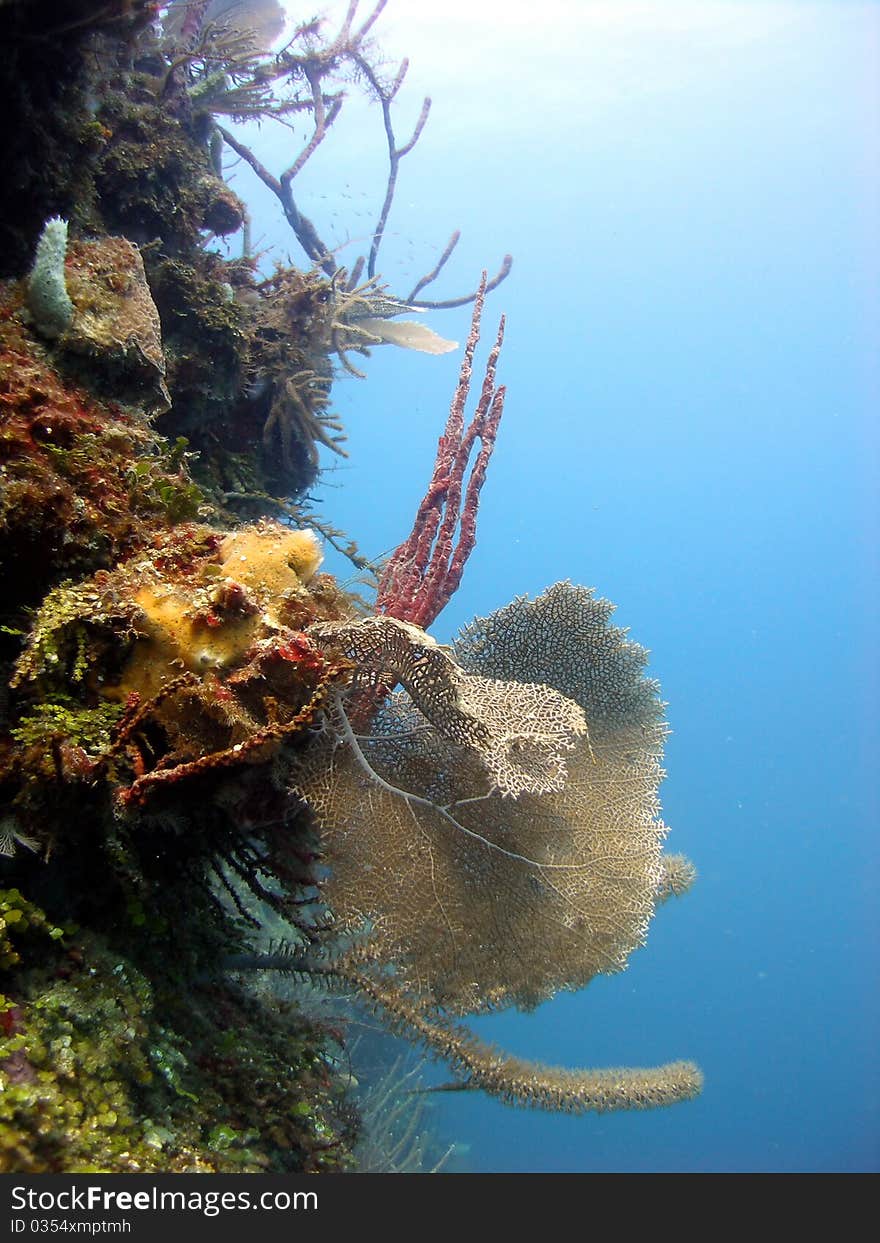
496 824
492 830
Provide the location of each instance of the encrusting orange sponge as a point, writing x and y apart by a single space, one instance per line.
210 623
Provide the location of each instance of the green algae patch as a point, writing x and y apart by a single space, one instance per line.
94 1081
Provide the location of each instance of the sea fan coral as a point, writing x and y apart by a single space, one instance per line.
481 883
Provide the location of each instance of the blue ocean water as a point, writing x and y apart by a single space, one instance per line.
690 191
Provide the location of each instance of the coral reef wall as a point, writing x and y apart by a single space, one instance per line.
206 775
153 660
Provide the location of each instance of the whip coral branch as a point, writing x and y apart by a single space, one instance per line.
422 574
314 72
